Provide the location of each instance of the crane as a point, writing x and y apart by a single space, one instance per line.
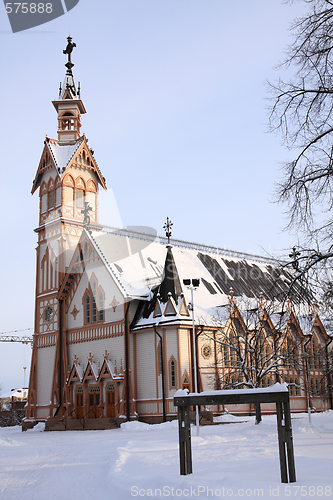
16 338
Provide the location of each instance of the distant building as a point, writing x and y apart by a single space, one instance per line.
112 317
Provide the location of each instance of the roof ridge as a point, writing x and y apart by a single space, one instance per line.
190 245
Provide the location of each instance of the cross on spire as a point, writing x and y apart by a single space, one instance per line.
85 212
68 50
294 256
167 227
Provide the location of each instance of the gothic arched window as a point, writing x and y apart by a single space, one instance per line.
87 309
93 302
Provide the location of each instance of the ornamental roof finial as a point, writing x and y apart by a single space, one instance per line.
167 227
261 301
232 299
314 307
68 50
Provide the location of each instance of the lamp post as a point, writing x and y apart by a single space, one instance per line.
162 373
193 285
305 357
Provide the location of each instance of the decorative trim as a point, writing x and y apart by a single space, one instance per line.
206 351
88 333
75 312
114 303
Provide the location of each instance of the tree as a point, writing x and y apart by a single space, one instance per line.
302 112
255 351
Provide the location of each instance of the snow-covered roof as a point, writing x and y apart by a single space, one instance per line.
63 153
280 320
306 323
139 266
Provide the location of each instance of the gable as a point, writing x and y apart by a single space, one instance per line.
46 163
81 156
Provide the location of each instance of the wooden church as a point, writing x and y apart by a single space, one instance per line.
113 333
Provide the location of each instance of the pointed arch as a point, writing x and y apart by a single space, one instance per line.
80 183
93 302
51 188
186 381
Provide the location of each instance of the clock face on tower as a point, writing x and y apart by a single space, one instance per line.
48 314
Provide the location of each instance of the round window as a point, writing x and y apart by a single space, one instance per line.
206 351
48 314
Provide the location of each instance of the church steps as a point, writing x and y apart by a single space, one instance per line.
71 424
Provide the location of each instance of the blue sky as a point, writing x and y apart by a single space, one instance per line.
176 114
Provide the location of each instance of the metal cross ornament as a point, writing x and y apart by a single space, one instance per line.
85 212
167 228
294 255
68 50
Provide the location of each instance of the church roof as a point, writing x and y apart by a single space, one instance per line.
148 270
63 153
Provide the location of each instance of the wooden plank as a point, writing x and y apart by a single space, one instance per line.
282 449
188 449
289 443
181 423
234 398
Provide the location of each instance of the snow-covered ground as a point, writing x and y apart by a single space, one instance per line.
141 461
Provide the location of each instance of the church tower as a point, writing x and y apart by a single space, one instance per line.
68 179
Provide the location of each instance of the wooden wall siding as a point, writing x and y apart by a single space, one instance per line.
132 310
71 243
110 291
155 407
95 332
43 412
184 343
202 341
114 346
45 365
146 376
208 379
171 342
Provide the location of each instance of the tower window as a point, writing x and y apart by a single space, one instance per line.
93 302
87 309
79 198
172 373
51 200
100 307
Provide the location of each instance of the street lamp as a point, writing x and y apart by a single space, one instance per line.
305 357
193 285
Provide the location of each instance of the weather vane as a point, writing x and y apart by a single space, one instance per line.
167 227
86 218
68 50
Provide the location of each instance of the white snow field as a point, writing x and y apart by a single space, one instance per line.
142 461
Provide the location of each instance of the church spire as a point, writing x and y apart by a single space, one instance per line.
69 105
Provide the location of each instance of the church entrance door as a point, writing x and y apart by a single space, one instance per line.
110 401
79 402
94 401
